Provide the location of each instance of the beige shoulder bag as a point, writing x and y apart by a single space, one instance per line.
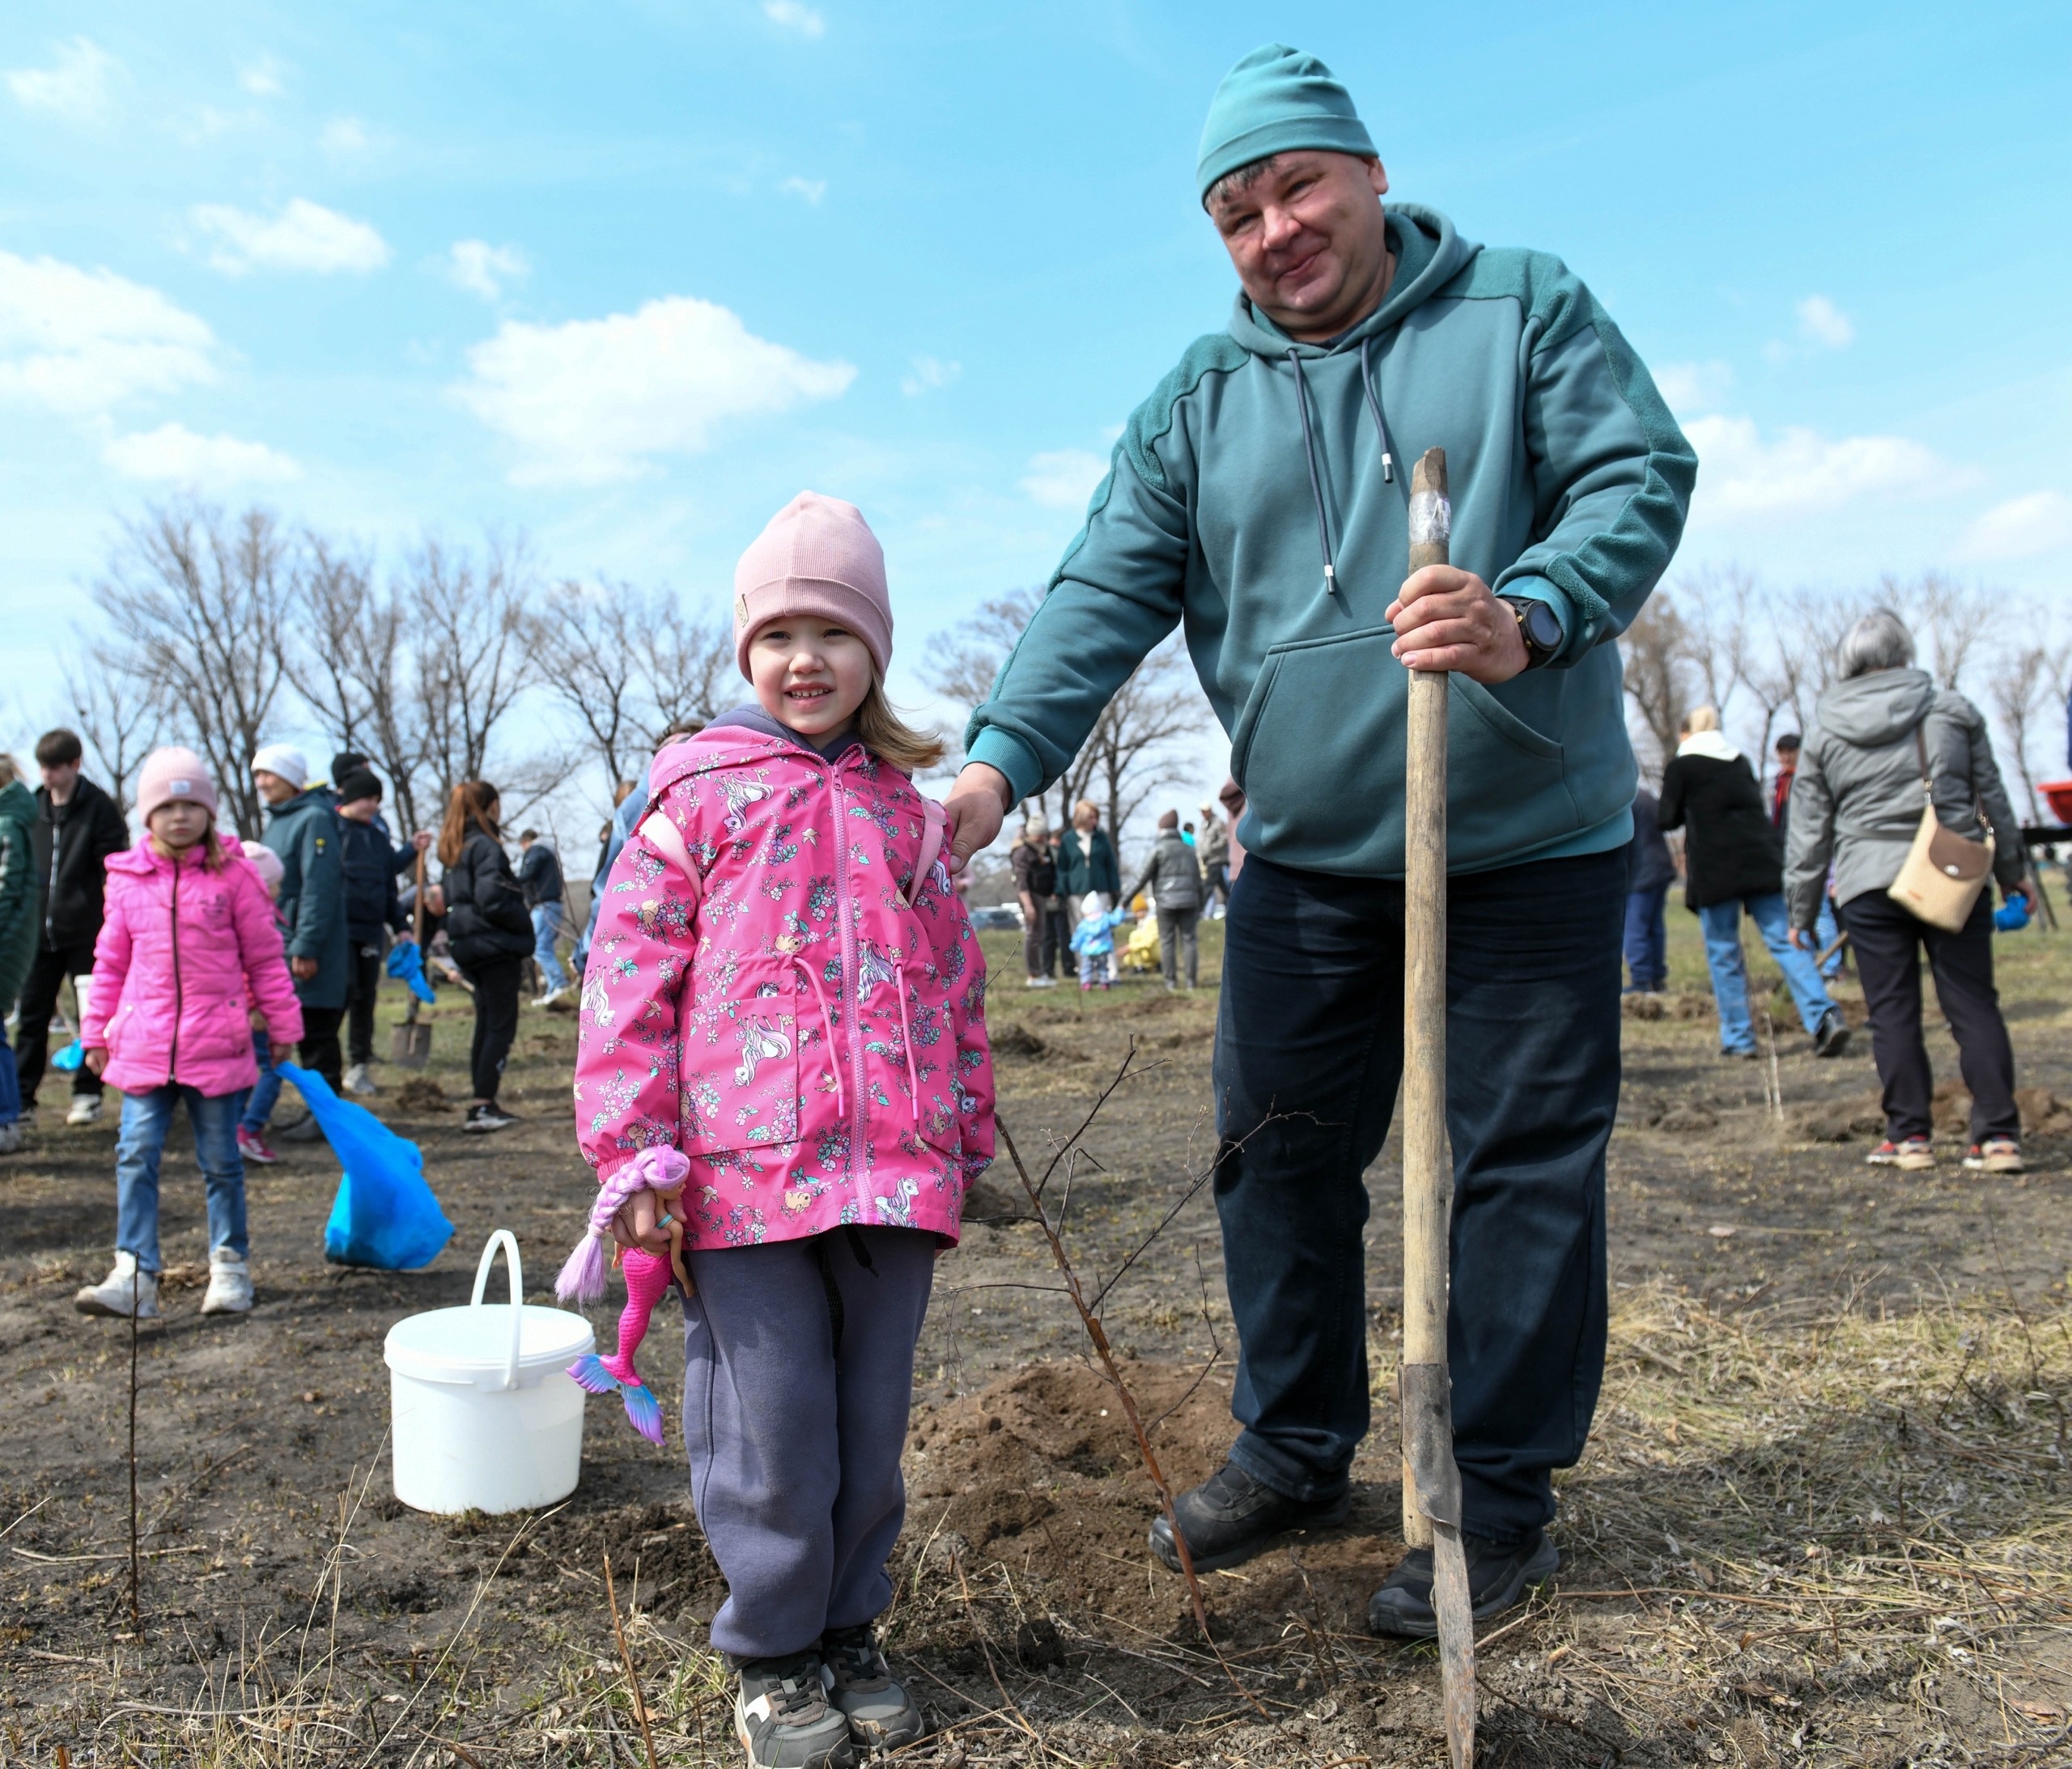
1944 871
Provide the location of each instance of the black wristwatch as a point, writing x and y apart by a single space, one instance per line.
1538 625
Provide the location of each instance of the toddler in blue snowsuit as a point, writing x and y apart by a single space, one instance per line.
1093 940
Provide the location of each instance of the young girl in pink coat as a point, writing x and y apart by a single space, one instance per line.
188 943
783 986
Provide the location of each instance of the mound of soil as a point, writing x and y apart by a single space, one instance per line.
421 1093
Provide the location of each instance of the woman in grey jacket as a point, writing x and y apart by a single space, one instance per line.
1856 802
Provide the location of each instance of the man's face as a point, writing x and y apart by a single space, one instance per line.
272 787
60 777
1787 755
1307 239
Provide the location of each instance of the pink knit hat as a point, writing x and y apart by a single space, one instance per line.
266 863
818 556
172 774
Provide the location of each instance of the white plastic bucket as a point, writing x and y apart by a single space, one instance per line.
483 1415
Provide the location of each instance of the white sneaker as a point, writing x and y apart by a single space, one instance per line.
11 1139
1042 982
357 1081
114 1294
85 1110
549 998
230 1286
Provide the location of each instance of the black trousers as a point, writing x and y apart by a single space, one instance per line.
319 1048
1309 1052
1888 940
362 987
48 971
496 1019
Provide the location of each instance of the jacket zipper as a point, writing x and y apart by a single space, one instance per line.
172 1056
845 908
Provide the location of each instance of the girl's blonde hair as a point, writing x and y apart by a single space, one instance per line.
889 737
1700 718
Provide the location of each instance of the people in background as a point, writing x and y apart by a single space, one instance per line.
489 933
1826 927
1649 872
1034 864
1887 743
78 826
1172 876
1733 865
189 945
1214 847
18 811
539 881
1087 868
368 865
1093 941
302 828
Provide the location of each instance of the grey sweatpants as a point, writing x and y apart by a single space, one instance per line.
795 1445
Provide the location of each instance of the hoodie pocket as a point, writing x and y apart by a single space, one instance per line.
1319 753
741 1083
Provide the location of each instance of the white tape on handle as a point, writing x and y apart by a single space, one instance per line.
1431 517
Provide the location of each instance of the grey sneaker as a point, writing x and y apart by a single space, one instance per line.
881 1715
359 1080
782 1716
305 1129
123 1287
230 1286
10 1138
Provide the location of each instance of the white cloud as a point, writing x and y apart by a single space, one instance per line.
482 269
261 79
588 400
2021 527
929 371
811 189
173 454
81 342
344 136
1064 478
304 236
1740 473
1821 322
794 16
1693 387
75 85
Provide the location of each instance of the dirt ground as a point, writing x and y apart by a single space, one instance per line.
1824 1516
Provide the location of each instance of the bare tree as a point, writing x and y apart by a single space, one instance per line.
200 602
118 721
686 668
468 619
1948 621
962 663
2026 692
1655 650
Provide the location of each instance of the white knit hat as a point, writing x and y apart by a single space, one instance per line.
284 760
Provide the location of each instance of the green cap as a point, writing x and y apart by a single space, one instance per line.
1275 100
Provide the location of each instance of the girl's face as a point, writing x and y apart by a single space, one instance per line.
176 827
809 674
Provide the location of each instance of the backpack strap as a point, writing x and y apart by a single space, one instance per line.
937 824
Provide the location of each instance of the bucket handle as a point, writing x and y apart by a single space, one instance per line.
509 1242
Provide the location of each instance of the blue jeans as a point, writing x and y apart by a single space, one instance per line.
547 929
10 1086
146 1119
259 1102
1647 937
1826 931
1722 923
1309 1052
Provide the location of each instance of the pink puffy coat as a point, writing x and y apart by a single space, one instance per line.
760 996
183 949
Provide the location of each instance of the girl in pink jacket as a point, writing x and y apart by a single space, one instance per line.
783 986
188 941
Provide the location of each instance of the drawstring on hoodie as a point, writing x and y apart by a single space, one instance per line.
1309 451
827 1019
1374 406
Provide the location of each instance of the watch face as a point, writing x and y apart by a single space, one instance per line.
1542 626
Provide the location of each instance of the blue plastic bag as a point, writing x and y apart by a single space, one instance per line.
2012 916
71 1057
406 962
385 1215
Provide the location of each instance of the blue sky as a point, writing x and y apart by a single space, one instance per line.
627 276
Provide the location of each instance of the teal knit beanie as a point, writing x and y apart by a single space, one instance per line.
1276 98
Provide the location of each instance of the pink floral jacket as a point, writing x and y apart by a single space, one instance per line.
762 995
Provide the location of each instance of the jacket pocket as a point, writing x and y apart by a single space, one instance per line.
1319 754
740 1063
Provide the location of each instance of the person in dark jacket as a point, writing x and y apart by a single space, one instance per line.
77 827
1173 875
369 862
1044 936
1087 866
1649 872
489 932
1856 808
1732 862
17 932
303 829
540 879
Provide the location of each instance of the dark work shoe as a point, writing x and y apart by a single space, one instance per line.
782 1718
881 1715
1497 1576
1230 1516
1831 1037
305 1129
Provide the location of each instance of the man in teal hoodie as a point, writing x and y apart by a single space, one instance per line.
1260 499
